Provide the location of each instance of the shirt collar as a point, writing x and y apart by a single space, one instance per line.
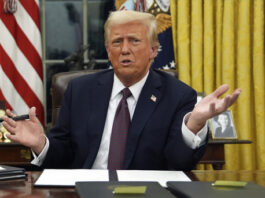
135 89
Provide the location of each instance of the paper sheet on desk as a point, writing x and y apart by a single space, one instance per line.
68 177
160 176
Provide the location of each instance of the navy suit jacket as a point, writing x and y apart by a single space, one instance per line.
155 139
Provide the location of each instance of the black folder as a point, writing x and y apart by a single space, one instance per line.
11 172
206 190
105 190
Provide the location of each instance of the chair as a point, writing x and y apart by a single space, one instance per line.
59 85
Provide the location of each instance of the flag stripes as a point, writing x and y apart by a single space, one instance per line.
21 76
33 10
28 26
23 43
10 93
18 58
22 86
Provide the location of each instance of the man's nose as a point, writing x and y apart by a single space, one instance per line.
125 48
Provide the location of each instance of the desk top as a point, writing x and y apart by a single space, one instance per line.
25 188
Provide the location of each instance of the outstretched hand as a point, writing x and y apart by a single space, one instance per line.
27 132
211 106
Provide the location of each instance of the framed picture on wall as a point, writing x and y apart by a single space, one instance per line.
223 126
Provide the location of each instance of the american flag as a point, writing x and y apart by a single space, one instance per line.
21 75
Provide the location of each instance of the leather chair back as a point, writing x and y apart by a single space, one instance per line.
59 85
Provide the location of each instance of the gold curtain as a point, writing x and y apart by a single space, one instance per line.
222 41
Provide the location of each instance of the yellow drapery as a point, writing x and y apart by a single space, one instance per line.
222 41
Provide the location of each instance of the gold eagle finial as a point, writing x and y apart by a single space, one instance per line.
163 22
163 19
118 3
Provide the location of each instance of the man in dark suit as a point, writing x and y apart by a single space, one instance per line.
166 131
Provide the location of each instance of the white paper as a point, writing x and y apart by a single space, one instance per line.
68 177
160 176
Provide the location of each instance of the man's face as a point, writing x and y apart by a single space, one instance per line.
130 51
223 120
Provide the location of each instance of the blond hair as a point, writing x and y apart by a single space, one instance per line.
126 16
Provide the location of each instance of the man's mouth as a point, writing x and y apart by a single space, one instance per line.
126 62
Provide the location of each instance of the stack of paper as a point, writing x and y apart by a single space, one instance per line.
10 172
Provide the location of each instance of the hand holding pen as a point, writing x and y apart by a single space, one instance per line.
29 133
17 118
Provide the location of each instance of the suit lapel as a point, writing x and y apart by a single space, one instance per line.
99 106
147 102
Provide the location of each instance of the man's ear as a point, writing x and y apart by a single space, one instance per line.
154 50
107 50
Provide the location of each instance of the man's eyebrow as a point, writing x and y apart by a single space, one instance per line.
115 38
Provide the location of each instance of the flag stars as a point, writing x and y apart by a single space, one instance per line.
166 67
172 64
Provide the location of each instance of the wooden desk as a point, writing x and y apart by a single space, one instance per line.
25 188
215 152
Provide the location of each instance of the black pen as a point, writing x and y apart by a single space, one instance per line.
16 118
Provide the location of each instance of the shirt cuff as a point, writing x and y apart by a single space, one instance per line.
192 140
38 160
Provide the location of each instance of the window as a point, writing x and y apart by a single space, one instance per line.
72 29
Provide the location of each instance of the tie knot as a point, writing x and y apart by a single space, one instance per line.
126 93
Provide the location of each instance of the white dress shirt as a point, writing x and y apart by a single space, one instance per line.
101 161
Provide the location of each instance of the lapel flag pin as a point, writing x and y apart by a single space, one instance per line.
153 98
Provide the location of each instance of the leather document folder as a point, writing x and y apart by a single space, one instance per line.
206 190
11 172
105 190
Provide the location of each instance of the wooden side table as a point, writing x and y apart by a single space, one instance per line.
215 152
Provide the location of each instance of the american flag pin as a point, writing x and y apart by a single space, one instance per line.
153 98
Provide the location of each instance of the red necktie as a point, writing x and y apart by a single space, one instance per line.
119 133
